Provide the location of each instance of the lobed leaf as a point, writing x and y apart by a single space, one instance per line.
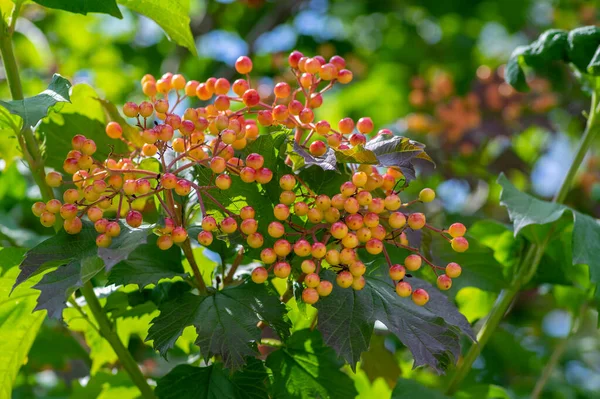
84 6
302 158
583 43
357 154
398 151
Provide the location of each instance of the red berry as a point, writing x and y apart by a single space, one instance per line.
134 218
457 230
413 262
282 269
420 297
259 275
444 282
251 98
229 225
243 65
403 289
164 242
103 240
317 148
460 244
310 296
344 279
205 238
324 288
397 272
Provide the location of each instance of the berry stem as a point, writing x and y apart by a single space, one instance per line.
189 254
530 261
234 266
108 332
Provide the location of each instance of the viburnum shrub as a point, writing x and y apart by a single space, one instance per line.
368 211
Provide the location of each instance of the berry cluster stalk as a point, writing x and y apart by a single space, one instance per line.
33 156
531 258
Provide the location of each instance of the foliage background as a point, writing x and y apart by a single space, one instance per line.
451 46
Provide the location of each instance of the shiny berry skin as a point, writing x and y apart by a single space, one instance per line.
420 297
302 248
251 98
350 241
247 175
113 229
310 296
282 247
68 211
205 238
333 257
255 240
100 225
308 266
347 189
229 225
403 289
416 221
282 269
444 282
259 275
413 262
268 256
247 212
281 211
249 226
354 221
459 244
357 268
103 240
397 272
282 90
264 175
53 206
179 234
312 280
365 125
134 218
276 229
114 130
339 230
255 161
374 246
359 179
164 242
318 250
323 202
392 202
243 65
426 195
47 219
397 220
54 179
453 270
38 208
358 283
294 57
457 230
377 205
317 148
287 182
324 288
344 76
168 181
300 209
315 215
344 279
371 219
280 113
351 205
287 197
223 182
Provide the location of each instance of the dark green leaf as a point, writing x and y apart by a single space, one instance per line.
225 321
148 264
34 109
213 382
306 368
84 115
399 152
172 16
550 46
323 181
301 158
594 65
583 43
379 362
513 73
123 245
84 6
268 145
409 389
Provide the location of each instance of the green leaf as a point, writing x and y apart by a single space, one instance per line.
398 151
172 16
525 210
594 65
302 158
550 46
409 389
18 324
357 154
323 181
214 382
483 392
123 245
84 115
269 146
148 264
84 6
225 321
34 109
305 368
583 43
10 126
106 385
431 332
379 362
513 73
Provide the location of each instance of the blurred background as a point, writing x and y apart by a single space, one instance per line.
428 69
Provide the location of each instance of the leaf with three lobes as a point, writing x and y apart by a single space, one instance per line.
33 109
225 321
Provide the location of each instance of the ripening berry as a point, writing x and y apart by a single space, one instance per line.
229 225
280 113
302 248
178 145
209 223
265 118
54 179
308 266
268 256
397 272
223 182
264 175
392 202
358 139
413 262
247 212
88 147
190 88
317 148
77 141
294 57
178 82
364 198
359 179
403 289
337 201
354 221
347 256
416 221
164 242
259 275
314 215
243 65
113 130
310 296
68 211
103 240
146 109
168 181
300 208
339 230
276 229
247 175
282 269
344 279
142 186
376 206
323 202
374 246
218 164
90 195
351 205
350 241
205 238
333 257
324 288
318 250
53 206
420 297
444 282
129 187
347 189
334 140
459 244
134 218
113 229
426 195
94 213
38 208
47 219
287 182
457 230
344 76
168 227
287 197
179 234
255 240
358 283
70 165
364 234
397 220
338 62
100 225
255 161
453 270
281 211
131 109
388 182
282 247
365 125
249 226
332 215
99 186
251 98
357 268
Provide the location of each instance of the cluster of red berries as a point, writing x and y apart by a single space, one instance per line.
365 214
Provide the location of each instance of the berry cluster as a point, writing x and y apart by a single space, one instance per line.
366 213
